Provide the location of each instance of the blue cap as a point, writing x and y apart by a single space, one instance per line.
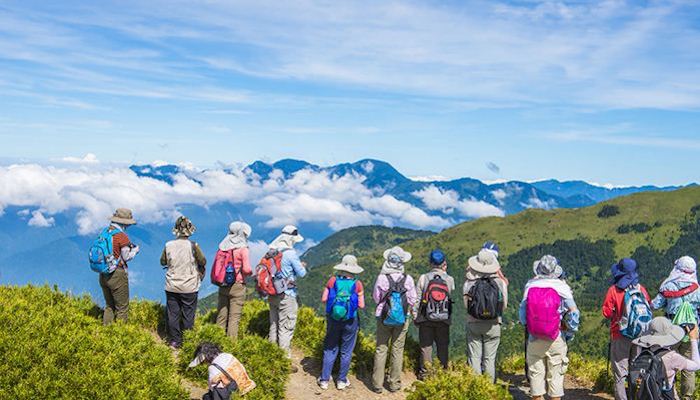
437 257
491 246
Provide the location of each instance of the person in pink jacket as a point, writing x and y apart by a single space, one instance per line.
231 298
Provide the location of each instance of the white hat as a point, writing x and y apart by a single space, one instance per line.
485 262
293 231
349 264
397 254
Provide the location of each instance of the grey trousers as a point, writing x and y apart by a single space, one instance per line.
619 359
283 320
483 338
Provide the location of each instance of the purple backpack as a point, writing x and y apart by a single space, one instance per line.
543 319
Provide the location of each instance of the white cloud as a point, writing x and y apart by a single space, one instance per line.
535 202
429 178
499 195
448 201
40 221
89 158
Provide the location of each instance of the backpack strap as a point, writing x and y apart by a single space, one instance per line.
217 366
680 293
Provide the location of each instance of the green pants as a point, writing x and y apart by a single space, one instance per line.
231 299
115 288
397 336
687 378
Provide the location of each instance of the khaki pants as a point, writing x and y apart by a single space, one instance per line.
483 338
115 288
687 378
547 363
231 299
397 336
619 358
283 320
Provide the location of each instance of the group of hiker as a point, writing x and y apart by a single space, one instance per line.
643 352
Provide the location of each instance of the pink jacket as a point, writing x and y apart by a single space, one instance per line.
382 286
241 261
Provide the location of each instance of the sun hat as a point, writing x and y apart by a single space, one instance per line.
485 262
437 257
397 255
293 231
184 227
548 267
123 216
237 237
349 264
662 333
492 246
625 273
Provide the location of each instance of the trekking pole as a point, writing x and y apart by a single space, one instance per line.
609 356
527 337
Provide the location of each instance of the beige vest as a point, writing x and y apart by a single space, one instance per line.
182 275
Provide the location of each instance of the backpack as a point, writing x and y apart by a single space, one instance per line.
437 305
222 271
543 319
647 376
268 273
485 300
395 303
637 314
342 300
101 254
222 393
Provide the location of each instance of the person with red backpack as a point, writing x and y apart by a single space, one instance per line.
550 315
626 305
229 272
343 296
485 297
434 311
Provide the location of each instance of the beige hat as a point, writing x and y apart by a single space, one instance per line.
184 227
123 216
662 333
349 264
485 262
397 254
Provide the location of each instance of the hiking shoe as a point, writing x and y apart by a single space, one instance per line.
394 390
322 384
342 385
294 369
378 390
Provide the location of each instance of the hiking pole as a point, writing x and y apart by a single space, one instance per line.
527 337
609 356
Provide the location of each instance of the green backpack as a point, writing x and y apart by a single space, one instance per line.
343 300
685 316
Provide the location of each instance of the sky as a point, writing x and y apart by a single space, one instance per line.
607 92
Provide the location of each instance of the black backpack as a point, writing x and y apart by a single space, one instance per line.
485 300
647 376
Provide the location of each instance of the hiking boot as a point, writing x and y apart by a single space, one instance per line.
394 390
378 390
342 385
322 384
294 369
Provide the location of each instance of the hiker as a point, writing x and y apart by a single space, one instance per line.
485 297
434 311
283 305
343 296
115 283
184 263
395 295
626 305
652 373
549 312
233 267
681 287
226 374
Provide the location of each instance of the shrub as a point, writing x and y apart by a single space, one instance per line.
458 382
255 319
148 315
639 228
608 211
593 372
54 347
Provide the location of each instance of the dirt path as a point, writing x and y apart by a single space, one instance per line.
302 385
520 389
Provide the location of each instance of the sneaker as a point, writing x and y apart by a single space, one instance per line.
378 390
341 385
322 384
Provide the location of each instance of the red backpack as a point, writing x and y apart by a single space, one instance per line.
268 273
222 260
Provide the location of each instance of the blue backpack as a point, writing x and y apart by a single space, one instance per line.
395 304
637 314
342 301
101 254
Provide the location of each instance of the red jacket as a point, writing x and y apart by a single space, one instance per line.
613 308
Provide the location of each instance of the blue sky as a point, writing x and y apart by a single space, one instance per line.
603 91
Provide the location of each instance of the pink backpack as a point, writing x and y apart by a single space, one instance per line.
543 319
222 260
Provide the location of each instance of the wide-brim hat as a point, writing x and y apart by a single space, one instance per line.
123 216
349 264
397 251
547 267
293 231
485 262
662 333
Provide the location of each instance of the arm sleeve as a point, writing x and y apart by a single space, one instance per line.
522 312
503 285
609 304
128 253
465 294
694 362
245 262
573 316
299 269
411 294
326 289
377 293
199 257
360 295
659 302
164 258
419 289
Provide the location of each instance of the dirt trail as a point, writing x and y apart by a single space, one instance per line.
302 385
575 390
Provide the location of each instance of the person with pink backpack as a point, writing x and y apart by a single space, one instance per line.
551 317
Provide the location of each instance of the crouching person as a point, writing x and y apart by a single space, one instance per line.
550 316
343 296
226 374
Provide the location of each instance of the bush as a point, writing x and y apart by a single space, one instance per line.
638 228
458 382
593 372
53 347
148 315
608 211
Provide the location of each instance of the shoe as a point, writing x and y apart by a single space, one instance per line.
394 390
322 384
342 385
378 390
294 369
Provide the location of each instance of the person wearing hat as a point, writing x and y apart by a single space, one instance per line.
225 371
430 331
392 274
343 296
680 287
184 264
284 307
546 358
484 335
663 333
625 277
115 285
232 297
